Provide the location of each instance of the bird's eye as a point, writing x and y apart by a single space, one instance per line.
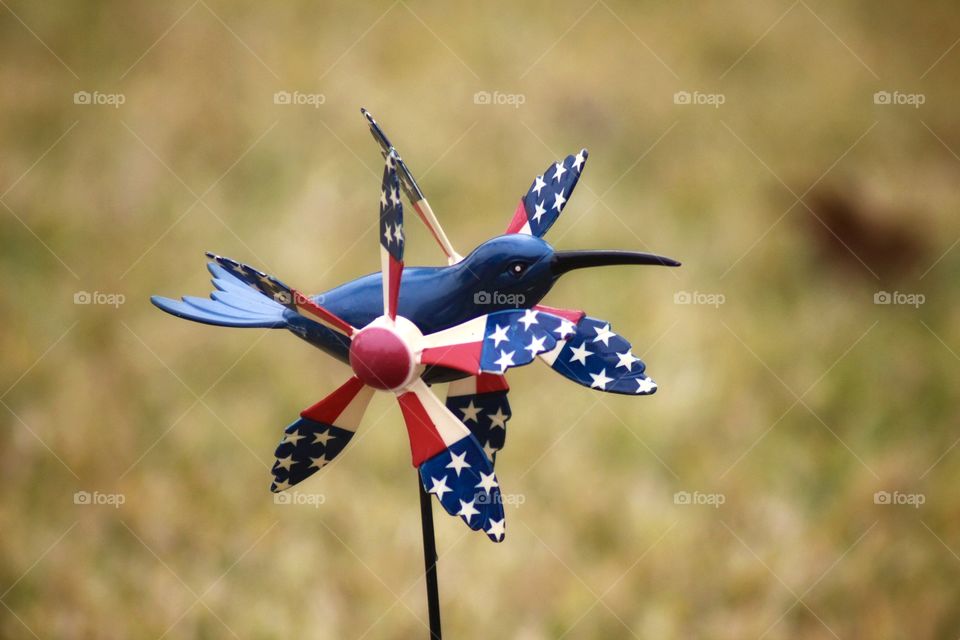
516 269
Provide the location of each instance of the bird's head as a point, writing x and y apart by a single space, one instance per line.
518 270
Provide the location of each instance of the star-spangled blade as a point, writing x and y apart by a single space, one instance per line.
413 192
320 434
279 292
392 238
452 464
480 402
593 355
492 343
547 196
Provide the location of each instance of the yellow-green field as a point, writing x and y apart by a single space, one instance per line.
794 194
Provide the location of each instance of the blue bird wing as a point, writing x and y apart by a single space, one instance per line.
233 303
590 353
543 203
480 403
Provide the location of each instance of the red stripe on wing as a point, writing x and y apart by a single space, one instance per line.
464 357
491 382
425 440
307 307
573 315
393 282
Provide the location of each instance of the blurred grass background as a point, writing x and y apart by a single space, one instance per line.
797 200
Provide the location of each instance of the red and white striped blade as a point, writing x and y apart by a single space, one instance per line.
431 427
391 235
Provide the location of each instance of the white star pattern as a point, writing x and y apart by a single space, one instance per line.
645 385
529 318
558 200
566 328
293 437
626 360
559 170
319 463
538 184
600 380
489 449
285 463
458 462
439 487
323 437
281 486
470 412
388 234
499 335
505 360
487 482
496 528
580 354
499 419
538 211
578 160
383 199
398 232
604 334
536 345
395 196
467 510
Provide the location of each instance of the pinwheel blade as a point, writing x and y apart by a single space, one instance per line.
413 192
391 235
452 464
320 434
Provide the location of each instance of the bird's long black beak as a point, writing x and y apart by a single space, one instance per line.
564 261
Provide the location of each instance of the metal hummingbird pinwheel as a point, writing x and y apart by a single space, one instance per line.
405 328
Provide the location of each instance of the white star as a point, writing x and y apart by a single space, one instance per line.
496 528
281 486
390 160
604 334
538 211
505 360
439 487
489 449
470 412
566 328
538 184
487 482
395 196
560 170
558 200
398 233
529 318
600 380
536 345
388 233
626 360
578 160
285 463
499 335
499 419
383 199
645 385
319 463
458 463
580 354
467 510
293 437
322 437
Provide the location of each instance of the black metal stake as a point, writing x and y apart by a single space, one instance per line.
430 561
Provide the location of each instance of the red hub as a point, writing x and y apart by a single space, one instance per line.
380 358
